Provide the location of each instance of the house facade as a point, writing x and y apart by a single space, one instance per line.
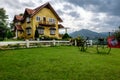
44 19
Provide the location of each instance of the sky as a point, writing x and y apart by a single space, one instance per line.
95 15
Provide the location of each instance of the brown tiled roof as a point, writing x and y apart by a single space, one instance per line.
30 11
19 28
18 18
60 26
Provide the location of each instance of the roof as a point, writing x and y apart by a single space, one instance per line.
18 18
29 11
19 28
32 12
60 26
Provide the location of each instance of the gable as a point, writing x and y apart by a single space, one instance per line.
47 6
45 12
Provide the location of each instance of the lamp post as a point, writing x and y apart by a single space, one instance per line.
66 28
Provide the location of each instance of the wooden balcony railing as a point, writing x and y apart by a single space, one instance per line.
46 23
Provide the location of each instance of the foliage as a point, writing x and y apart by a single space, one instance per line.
3 23
78 40
117 34
9 34
36 34
59 63
11 25
66 36
21 14
3 15
47 38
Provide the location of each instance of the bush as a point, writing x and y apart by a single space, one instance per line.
47 38
117 34
1 39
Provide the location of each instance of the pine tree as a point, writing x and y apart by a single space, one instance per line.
66 36
36 34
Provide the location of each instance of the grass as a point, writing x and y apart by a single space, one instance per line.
59 63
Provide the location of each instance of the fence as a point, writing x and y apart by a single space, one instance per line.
28 43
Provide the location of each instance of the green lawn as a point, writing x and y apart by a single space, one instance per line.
59 63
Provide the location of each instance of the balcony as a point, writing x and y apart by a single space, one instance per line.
46 23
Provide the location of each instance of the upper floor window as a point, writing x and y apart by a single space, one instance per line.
52 20
28 19
37 18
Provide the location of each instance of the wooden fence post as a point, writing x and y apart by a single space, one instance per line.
27 43
75 43
54 42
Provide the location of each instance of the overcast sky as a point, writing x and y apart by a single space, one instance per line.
95 15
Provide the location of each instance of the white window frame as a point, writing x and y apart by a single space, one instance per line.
41 31
38 18
29 31
52 32
51 20
28 19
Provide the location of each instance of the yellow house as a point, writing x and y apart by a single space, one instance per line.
44 19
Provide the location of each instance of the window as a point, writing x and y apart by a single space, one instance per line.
41 31
51 20
27 19
52 31
37 18
28 30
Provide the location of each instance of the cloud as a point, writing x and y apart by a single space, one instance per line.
67 7
108 6
74 14
95 15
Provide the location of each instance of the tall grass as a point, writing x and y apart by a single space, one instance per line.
59 63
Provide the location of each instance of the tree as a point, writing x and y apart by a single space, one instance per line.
66 36
12 25
117 34
36 34
21 14
3 23
9 33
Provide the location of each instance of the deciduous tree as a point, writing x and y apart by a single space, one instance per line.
3 23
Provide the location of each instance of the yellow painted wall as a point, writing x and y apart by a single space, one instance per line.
45 12
20 34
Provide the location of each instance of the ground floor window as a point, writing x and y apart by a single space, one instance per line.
28 31
41 31
52 31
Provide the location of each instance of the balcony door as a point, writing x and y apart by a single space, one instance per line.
44 20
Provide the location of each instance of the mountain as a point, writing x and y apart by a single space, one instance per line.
88 33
